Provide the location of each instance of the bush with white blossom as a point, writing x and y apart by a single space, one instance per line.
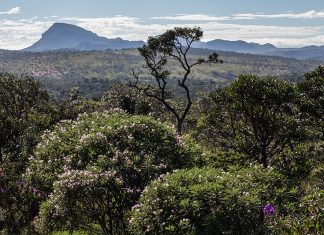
95 168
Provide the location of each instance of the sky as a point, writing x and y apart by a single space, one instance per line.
283 23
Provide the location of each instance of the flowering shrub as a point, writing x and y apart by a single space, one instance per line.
205 201
96 167
81 197
307 219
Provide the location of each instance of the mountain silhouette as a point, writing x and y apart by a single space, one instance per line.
67 36
238 46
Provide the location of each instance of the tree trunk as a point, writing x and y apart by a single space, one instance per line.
264 159
179 127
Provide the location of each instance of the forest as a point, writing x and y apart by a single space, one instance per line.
154 154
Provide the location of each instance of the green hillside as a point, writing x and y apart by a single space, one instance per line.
95 71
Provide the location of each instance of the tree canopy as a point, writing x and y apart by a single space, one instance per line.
253 115
171 46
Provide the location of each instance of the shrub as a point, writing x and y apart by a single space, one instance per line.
297 163
307 219
306 215
97 166
206 201
225 159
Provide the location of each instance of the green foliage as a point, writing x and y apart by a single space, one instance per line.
307 219
18 205
22 103
312 101
224 159
89 172
298 163
71 109
206 201
318 72
18 99
306 215
133 101
96 167
254 116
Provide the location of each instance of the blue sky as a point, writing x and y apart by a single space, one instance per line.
284 23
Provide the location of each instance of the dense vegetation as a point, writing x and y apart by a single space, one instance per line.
249 159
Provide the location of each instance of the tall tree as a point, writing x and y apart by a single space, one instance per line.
18 98
172 45
312 100
21 121
255 116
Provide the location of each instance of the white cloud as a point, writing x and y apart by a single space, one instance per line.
193 17
51 17
18 34
304 15
13 11
277 35
291 42
133 29
250 16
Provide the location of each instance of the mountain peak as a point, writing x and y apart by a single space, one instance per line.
63 26
72 37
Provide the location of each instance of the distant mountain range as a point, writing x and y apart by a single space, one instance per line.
62 36
304 53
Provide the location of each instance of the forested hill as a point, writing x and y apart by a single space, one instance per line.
95 71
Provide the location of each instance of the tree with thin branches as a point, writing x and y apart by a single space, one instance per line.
173 45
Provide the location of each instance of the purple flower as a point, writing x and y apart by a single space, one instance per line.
3 190
20 182
269 209
33 189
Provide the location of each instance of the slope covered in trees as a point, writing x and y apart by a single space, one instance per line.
94 72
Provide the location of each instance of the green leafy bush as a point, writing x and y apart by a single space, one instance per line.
297 163
96 167
308 218
206 201
306 215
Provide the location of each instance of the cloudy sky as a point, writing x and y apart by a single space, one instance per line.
284 23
